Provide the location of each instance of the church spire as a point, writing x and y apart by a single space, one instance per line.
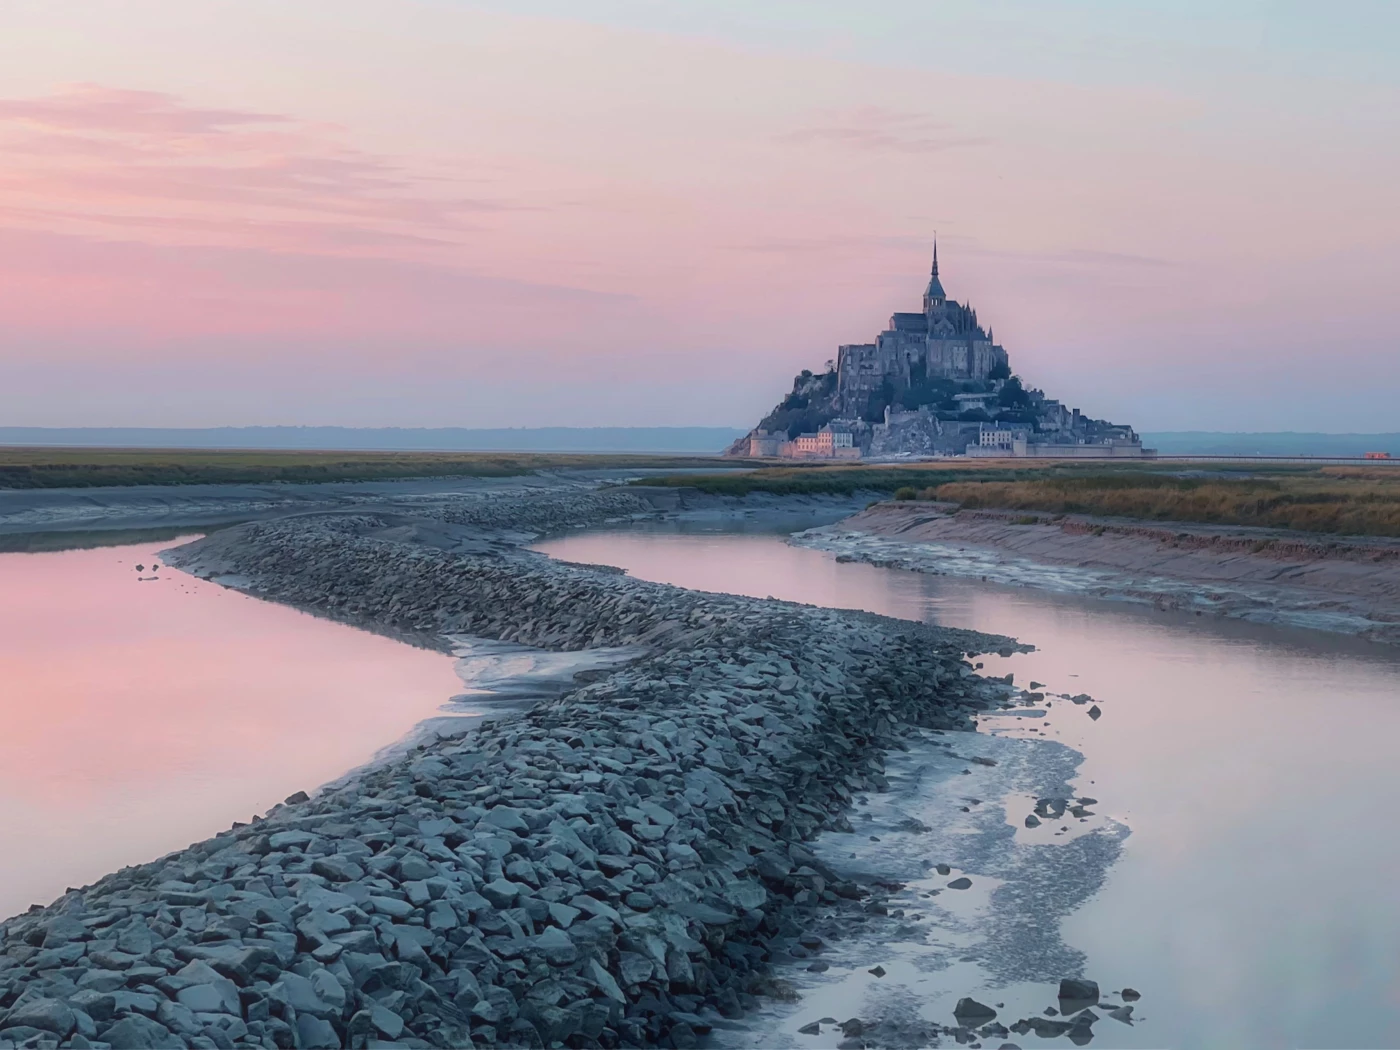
934 296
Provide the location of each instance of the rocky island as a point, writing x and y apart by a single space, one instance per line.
934 383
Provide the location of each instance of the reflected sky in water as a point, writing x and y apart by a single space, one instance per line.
1254 903
140 715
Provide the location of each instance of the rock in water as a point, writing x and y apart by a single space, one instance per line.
1074 989
970 1012
963 883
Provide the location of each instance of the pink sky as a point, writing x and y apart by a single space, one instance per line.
441 213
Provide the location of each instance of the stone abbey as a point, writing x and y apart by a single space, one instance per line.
945 341
933 383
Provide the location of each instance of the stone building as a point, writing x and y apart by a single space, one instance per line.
931 384
944 341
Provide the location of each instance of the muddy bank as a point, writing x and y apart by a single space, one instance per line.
1348 585
49 519
616 866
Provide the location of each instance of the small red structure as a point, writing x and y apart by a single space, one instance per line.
1377 455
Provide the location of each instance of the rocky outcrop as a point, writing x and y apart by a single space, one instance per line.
612 868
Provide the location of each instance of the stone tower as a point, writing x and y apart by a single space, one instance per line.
934 296
944 342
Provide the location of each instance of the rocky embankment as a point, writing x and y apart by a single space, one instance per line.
1346 585
616 867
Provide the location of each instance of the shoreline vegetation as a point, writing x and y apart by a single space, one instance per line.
1332 500
50 468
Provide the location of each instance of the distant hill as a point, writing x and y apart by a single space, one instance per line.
1284 443
692 440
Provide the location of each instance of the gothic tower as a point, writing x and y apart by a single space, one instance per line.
934 296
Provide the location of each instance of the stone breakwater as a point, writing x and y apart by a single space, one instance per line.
616 867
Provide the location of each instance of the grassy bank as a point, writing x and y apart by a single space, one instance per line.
1358 504
1338 500
847 480
44 468
808 481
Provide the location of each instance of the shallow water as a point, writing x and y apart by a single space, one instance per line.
143 711
1239 866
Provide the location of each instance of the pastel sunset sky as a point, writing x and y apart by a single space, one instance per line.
1181 215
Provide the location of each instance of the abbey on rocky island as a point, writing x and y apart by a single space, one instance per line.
932 383
943 342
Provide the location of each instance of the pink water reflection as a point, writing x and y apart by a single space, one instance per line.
1254 901
139 716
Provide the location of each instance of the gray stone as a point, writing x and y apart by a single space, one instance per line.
970 1012
507 818
283 839
217 997
316 1033
50 1015
605 981
391 906
337 869
707 914
563 914
96 980
389 1024
634 968
139 1033
62 929
557 946
416 867
501 893
100 1006
301 995
1078 990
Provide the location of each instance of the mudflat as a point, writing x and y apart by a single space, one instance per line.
1348 584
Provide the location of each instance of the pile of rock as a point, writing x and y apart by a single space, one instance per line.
612 868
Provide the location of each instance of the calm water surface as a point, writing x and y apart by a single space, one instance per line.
1241 871
138 715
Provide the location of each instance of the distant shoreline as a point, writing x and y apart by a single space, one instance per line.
1273 443
605 440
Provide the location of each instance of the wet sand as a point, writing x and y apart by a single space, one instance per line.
1344 585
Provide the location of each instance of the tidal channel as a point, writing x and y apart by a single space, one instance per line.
1237 866
142 709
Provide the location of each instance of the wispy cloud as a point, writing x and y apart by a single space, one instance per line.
1079 257
876 128
103 161
835 243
